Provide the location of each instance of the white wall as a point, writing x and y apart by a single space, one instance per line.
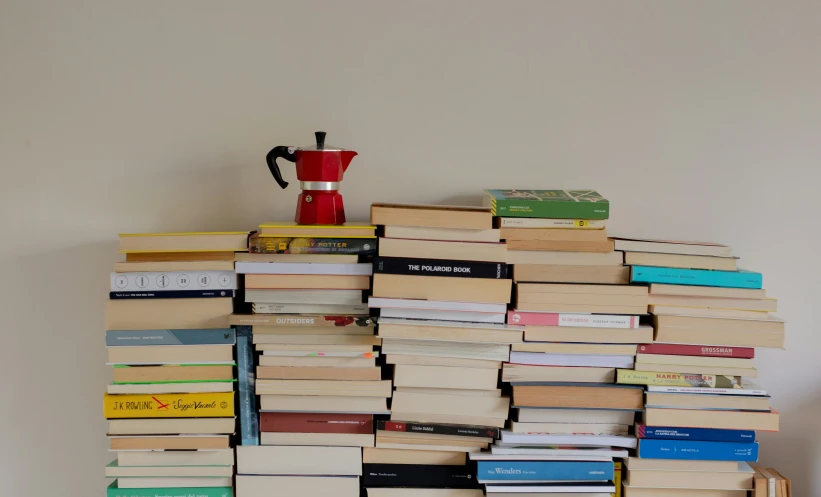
699 120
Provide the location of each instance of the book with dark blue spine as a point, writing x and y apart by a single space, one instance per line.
248 412
131 338
438 267
692 450
699 277
171 294
700 434
537 471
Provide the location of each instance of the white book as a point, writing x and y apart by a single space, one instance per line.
443 234
318 353
205 387
586 491
748 389
532 222
510 438
321 309
173 280
173 482
542 359
533 415
462 316
304 268
115 470
673 247
451 324
307 486
608 452
217 457
438 305
565 258
485 456
299 460
338 297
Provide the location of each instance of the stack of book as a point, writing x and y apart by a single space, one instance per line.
697 434
581 323
171 405
317 378
441 287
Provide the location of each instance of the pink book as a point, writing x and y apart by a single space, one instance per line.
568 319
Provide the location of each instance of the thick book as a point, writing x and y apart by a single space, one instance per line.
697 450
162 266
543 471
699 434
441 288
276 245
443 234
224 336
699 418
114 490
557 273
432 216
217 241
172 294
555 204
306 281
247 404
418 476
696 350
299 460
439 429
523 318
571 440
161 314
173 280
700 277
362 269
546 223
443 250
292 229
630 377
192 405
439 267
313 486
297 422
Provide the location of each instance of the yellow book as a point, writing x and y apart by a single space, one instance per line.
293 230
617 478
220 241
180 405
630 377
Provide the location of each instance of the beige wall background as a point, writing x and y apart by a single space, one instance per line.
699 120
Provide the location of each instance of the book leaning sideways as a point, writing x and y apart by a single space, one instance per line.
554 204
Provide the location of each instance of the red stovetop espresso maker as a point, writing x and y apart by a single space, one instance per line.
319 169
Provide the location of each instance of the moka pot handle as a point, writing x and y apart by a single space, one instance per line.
273 155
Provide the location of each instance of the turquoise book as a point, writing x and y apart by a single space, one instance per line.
114 491
696 277
548 204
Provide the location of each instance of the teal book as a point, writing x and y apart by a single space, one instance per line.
248 410
114 491
696 277
550 204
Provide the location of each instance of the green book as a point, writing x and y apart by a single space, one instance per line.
551 204
114 491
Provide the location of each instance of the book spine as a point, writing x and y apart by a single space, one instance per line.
358 246
120 338
698 451
268 308
520 222
699 277
630 377
617 470
544 470
439 429
511 207
173 294
417 476
114 491
698 434
438 267
180 405
173 280
697 350
303 321
248 412
282 422
572 320
711 391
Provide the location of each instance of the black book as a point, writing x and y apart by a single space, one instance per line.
418 476
437 267
172 294
439 429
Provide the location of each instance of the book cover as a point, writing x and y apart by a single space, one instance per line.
630 377
298 422
301 320
532 471
418 476
247 400
618 467
522 222
218 336
276 245
698 277
438 267
696 350
172 294
173 280
113 490
691 450
181 405
569 319
439 429
556 204
699 434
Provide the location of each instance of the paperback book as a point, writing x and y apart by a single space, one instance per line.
556 204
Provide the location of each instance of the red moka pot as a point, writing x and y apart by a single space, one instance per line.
319 169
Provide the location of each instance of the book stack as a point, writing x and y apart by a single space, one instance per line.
440 284
581 321
170 407
698 430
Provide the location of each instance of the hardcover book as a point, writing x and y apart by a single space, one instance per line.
358 246
555 204
224 336
184 405
537 471
437 267
700 277
699 434
697 451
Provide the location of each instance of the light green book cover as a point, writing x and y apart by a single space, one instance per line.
114 491
551 204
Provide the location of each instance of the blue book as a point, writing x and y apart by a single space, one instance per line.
700 434
219 336
248 412
535 471
692 450
698 277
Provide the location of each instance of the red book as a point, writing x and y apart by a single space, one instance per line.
309 422
696 350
